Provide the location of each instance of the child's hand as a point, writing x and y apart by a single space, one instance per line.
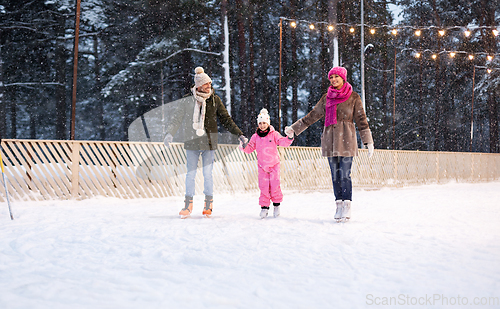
289 132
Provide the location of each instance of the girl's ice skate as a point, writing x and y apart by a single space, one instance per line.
264 212
276 211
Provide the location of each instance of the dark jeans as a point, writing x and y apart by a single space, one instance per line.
341 177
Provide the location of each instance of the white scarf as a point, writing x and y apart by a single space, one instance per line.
200 108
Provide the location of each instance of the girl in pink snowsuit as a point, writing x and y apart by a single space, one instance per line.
265 140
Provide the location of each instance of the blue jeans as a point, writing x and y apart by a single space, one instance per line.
207 158
341 177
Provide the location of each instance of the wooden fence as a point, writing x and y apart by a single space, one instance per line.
49 169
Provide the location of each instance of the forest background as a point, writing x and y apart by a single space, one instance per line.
135 56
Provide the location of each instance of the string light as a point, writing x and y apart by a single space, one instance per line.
417 32
489 71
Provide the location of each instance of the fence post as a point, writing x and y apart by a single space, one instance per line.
472 167
437 167
75 168
395 161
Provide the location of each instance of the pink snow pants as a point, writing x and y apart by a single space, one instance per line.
269 185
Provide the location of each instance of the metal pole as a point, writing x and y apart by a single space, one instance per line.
279 91
75 68
394 105
5 186
363 57
332 19
472 109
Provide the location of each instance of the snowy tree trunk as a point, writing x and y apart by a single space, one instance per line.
3 127
98 85
227 75
251 63
242 66
60 68
294 73
488 19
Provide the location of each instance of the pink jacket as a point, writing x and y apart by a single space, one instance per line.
267 151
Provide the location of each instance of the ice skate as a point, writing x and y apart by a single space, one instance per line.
338 213
207 210
346 211
276 211
264 211
188 208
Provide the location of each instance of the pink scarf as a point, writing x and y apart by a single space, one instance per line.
333 98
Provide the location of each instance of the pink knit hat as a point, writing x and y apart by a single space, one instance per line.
340 71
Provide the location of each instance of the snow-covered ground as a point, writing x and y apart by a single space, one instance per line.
428 246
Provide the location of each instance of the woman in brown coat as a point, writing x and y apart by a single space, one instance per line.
341 107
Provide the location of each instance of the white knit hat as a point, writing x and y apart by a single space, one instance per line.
201 78
263 116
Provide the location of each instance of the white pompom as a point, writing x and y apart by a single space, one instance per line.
264 111
199 70
200 132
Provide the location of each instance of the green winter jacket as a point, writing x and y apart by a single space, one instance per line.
183 119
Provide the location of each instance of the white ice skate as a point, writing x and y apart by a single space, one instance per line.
264 212
338 213
276 211
346 211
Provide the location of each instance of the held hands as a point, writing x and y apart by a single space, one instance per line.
371 150
289 132
243 141
168 139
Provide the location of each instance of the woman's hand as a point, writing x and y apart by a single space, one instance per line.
289 132
371 150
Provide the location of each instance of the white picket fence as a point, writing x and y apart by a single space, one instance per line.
54 169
